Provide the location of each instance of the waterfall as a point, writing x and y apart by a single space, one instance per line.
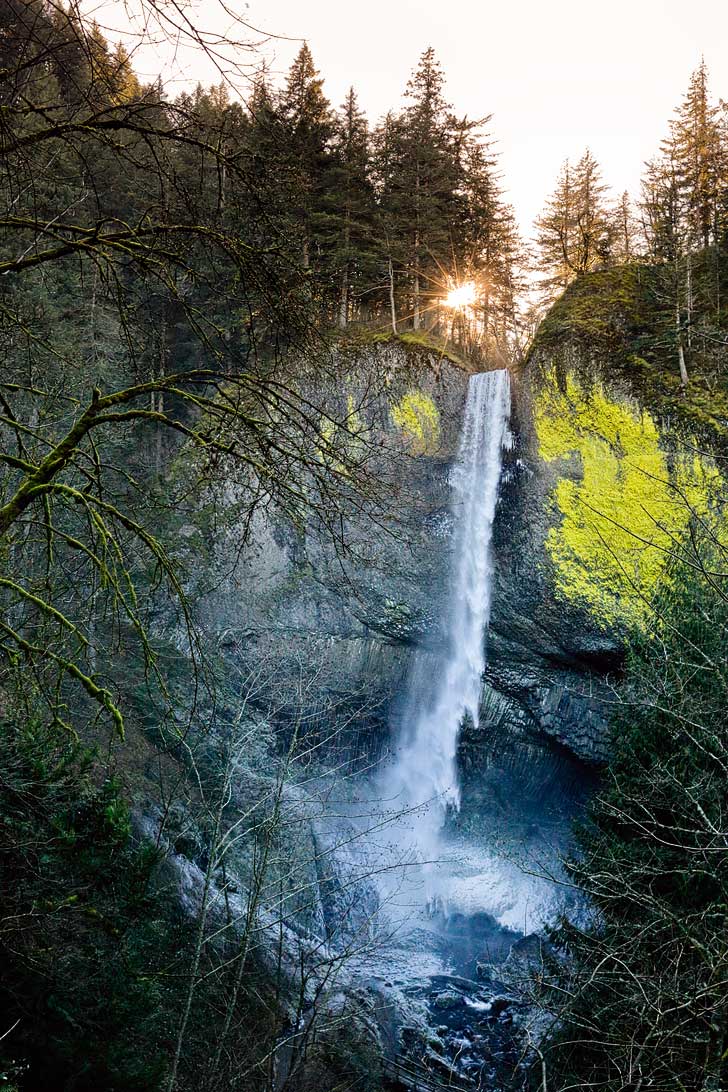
422 779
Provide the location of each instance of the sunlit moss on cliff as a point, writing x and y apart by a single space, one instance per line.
417 416
622 501
344 436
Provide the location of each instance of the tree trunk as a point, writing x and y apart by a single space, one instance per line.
690 298
157 397
159 446
416 308
391 297
344 297
680 349
416 311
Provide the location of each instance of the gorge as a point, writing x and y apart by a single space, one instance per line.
363 581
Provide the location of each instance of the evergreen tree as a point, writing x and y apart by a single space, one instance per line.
594 236
353 254
662 208
429 171
556 235
574 233
487 246
418 157
684 190
393 206
696 146
624 230
308 127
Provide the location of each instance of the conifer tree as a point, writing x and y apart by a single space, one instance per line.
684 188
308 127
393 206
420 183
624 230
353 211
556 235
696 145
429 171
574 233
487 245
662 207
593 239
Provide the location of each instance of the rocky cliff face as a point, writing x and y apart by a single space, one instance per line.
610 469
349 625
594 491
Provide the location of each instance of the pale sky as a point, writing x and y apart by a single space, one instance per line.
557 75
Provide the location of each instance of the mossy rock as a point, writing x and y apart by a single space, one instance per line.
623 498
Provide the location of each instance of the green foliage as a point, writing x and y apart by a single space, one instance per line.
83 940
625 318
575 233
640 993
603 309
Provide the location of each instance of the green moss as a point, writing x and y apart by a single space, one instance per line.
621 503
417 416
623 320
360 337
354 423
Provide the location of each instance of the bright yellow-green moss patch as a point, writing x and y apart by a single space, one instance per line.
354 423
343 436
622 502
417 416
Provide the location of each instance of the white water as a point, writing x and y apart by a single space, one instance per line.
421 781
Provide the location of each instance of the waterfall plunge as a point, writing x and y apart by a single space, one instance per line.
421 782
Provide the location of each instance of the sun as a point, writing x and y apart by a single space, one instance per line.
461 296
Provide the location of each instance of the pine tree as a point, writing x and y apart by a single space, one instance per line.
307 122
352 205
696 145
593 239
556 235
431 171
393 206
624 230
661 206
486 242
574 233
418 180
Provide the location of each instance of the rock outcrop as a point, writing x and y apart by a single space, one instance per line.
590 499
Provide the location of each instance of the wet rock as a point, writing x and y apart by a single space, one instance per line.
447 1000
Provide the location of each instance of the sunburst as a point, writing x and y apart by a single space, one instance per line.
461 296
